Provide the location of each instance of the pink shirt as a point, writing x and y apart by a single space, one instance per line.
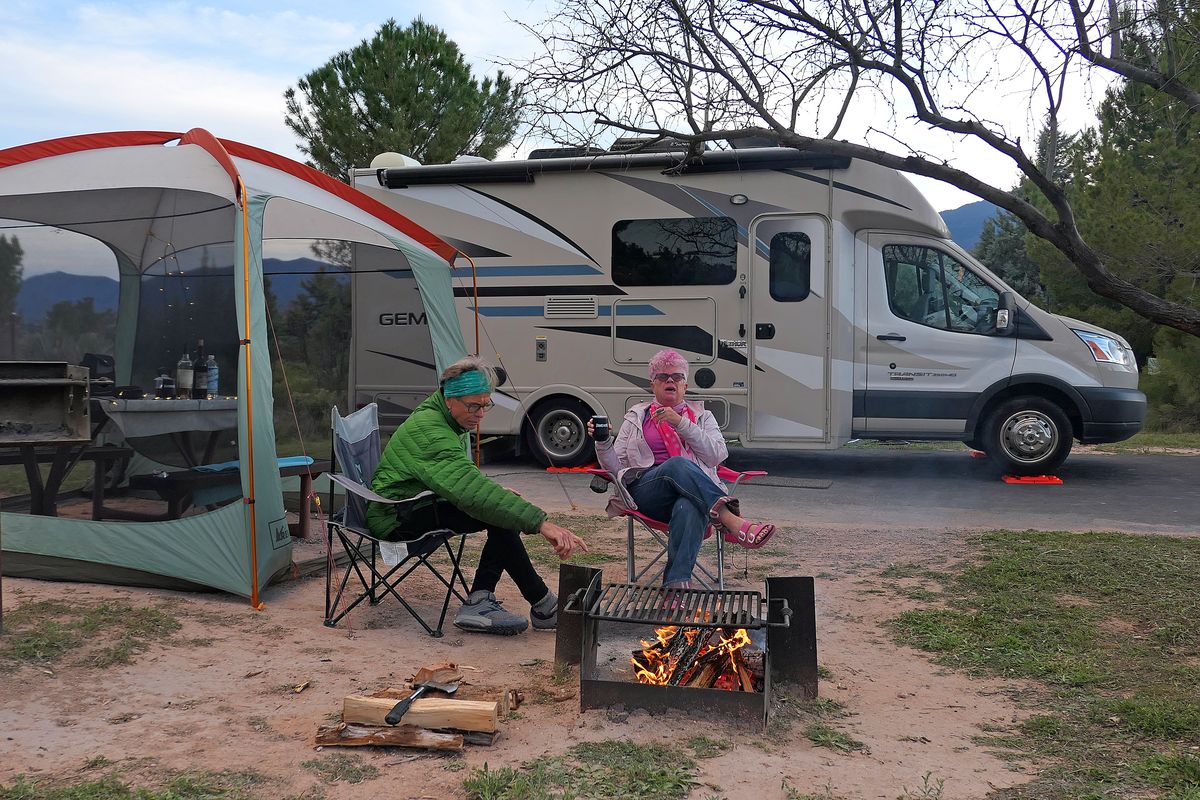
653 438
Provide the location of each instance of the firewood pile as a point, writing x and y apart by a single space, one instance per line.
446 718
706 658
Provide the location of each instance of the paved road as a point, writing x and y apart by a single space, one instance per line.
881 488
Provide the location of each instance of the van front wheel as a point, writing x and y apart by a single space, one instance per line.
556 435
1028 436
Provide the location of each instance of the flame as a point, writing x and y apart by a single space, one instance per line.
655 663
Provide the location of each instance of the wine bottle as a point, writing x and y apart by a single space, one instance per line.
200 373
183 377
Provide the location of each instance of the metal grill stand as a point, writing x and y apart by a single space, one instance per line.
787 615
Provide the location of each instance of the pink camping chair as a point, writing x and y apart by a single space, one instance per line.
659 530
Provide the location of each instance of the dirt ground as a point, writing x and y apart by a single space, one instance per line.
220 693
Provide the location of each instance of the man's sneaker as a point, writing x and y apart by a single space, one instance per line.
482 613
544 613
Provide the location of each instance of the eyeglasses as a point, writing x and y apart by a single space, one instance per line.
663 377
475 408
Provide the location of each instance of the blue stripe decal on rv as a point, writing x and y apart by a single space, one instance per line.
761 247
535 270
623 310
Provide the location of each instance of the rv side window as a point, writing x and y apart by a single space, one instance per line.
674 252
790 266
930 287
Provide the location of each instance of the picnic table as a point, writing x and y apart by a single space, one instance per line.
62 458
177 419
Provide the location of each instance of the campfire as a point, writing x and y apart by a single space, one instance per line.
706 658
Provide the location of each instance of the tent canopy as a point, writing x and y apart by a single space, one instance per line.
149 195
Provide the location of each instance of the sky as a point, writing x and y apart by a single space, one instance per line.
72 68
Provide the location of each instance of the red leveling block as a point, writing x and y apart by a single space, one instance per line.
1043 479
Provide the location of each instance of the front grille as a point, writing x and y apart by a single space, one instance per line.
697 608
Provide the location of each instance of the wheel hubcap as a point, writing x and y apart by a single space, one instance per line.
562 434
1029 436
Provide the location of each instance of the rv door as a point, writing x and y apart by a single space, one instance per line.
931 346
789 329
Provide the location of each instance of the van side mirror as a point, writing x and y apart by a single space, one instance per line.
1006 314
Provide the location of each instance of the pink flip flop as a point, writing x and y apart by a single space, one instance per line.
752 535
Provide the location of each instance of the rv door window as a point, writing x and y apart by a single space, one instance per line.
790 266
933 288
674 252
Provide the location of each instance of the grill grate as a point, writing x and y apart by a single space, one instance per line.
698 608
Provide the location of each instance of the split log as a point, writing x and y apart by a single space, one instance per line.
508 699
745 678
350 735
466 715
481 738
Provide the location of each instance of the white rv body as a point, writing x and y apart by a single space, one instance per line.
817 300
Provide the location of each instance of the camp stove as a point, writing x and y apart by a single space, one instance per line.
602 623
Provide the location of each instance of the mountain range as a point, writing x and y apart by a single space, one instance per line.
39 292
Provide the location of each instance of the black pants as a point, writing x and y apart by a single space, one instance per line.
503 552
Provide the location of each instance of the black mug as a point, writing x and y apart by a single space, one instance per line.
600 428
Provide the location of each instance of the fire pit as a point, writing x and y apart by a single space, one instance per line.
699 651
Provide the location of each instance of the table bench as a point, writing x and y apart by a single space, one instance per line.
43 495
177 488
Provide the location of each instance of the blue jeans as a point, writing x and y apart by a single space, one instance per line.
680 492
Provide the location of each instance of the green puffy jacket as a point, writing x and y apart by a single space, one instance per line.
429 452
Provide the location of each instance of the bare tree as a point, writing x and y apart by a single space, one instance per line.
796 72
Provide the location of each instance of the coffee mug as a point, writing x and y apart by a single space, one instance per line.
600 428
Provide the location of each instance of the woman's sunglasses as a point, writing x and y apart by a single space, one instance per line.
663 377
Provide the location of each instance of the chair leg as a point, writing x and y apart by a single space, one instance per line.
630 554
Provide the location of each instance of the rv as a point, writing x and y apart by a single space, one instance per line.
818 300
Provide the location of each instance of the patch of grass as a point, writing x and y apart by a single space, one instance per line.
338 768
1105 625
705 747
908 570
619 770
105 633
931 789
1171 770
824 735
1151 442
205 785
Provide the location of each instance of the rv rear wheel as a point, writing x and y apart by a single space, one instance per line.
1028 436
557 433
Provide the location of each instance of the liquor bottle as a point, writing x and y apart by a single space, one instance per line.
183 377
200 373
213 374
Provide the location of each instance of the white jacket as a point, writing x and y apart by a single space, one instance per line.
628 455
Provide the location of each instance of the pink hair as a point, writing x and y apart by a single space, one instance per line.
664 360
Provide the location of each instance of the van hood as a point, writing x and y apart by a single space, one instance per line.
1087 327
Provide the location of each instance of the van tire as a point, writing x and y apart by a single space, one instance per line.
1027 436
556 434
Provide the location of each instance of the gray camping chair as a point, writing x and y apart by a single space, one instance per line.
356 448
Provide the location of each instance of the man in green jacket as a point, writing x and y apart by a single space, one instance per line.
429 452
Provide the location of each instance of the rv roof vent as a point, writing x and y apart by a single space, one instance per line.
393 161
573 307
567 152
643 145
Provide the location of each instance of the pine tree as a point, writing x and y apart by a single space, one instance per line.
406 90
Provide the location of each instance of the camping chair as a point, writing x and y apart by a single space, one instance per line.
659 530
356 448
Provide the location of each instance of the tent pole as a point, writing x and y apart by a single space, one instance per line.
249 399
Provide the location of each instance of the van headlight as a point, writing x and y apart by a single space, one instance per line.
1106 349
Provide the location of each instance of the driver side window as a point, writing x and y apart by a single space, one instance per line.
933 288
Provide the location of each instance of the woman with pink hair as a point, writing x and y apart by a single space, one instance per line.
665 458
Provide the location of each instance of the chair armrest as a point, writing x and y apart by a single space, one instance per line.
361 491
727 474
601 473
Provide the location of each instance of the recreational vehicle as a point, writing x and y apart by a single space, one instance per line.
818 300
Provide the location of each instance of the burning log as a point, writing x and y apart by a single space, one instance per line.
686 659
